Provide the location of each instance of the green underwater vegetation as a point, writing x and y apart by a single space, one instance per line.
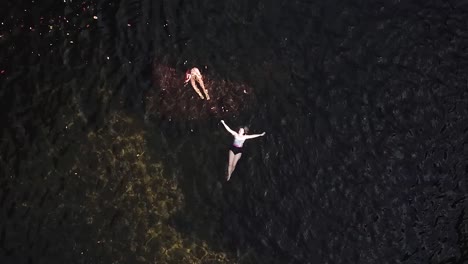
128 200
93 195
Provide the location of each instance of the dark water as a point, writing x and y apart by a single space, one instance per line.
105 158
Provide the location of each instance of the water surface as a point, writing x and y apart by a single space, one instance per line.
106 158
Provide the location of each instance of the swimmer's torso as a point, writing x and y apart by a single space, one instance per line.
194 72
238 142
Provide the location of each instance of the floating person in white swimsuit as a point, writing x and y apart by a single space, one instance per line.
193 75
235 150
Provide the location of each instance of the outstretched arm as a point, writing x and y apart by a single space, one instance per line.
228 128
254 136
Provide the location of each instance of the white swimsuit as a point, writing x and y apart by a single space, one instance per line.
238 142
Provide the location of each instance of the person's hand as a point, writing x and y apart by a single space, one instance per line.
263 134
222 121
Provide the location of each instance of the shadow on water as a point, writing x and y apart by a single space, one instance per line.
106 160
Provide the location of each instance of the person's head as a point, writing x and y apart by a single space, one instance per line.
187 76
243 130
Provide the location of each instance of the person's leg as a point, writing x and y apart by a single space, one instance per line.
236 159
234 163
194 86
230 164
202 84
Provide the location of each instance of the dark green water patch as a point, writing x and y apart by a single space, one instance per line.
103 200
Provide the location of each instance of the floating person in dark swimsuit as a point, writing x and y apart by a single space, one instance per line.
193 75
235 151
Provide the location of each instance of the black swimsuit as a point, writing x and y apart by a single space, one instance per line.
235 150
